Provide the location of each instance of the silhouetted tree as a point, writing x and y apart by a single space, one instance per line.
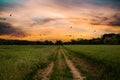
46 42
105 39
111 38
58 42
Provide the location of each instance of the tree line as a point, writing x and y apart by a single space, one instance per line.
111 38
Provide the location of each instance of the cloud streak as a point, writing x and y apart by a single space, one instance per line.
113 20
116 20
57 16
8 29
41 21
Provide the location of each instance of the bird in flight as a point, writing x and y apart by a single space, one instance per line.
10 14
94 30
4 18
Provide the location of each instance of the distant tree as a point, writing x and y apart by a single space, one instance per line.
95 41
73 41
111 38
58 42
46 42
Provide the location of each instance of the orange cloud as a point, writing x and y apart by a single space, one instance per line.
45 20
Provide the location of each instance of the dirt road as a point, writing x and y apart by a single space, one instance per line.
76 74
45 73
60 66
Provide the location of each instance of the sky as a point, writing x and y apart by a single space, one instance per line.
58 19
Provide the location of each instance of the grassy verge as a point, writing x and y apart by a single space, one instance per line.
83 66
61 70
22 62
105 58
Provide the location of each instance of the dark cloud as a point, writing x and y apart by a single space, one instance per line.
80 3
8 4
116 20
5 7
115 3
99 20
41 21
110 21
71 3
8 29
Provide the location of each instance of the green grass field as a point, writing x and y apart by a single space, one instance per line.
96 62
105 57
21 62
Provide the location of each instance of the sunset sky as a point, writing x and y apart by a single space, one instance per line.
58 19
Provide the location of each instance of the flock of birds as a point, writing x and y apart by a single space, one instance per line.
6 18
45 33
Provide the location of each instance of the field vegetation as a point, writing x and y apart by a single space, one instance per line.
65 62
100 61
22 62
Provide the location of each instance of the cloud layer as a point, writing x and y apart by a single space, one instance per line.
8 29
113 20
56 17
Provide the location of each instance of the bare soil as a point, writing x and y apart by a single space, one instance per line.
76 74
45 73
87 66
60 61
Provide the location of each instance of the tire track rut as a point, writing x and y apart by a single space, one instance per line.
76 74
45 73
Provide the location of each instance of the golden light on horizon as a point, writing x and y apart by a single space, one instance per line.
54 20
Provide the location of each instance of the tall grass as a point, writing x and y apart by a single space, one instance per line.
105 57
61 70
21 62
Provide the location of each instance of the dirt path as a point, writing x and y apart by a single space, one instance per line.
60 61
45 73
76 74
61 69
87 66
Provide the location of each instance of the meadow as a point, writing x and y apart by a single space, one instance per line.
48 62
101 60
22 62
